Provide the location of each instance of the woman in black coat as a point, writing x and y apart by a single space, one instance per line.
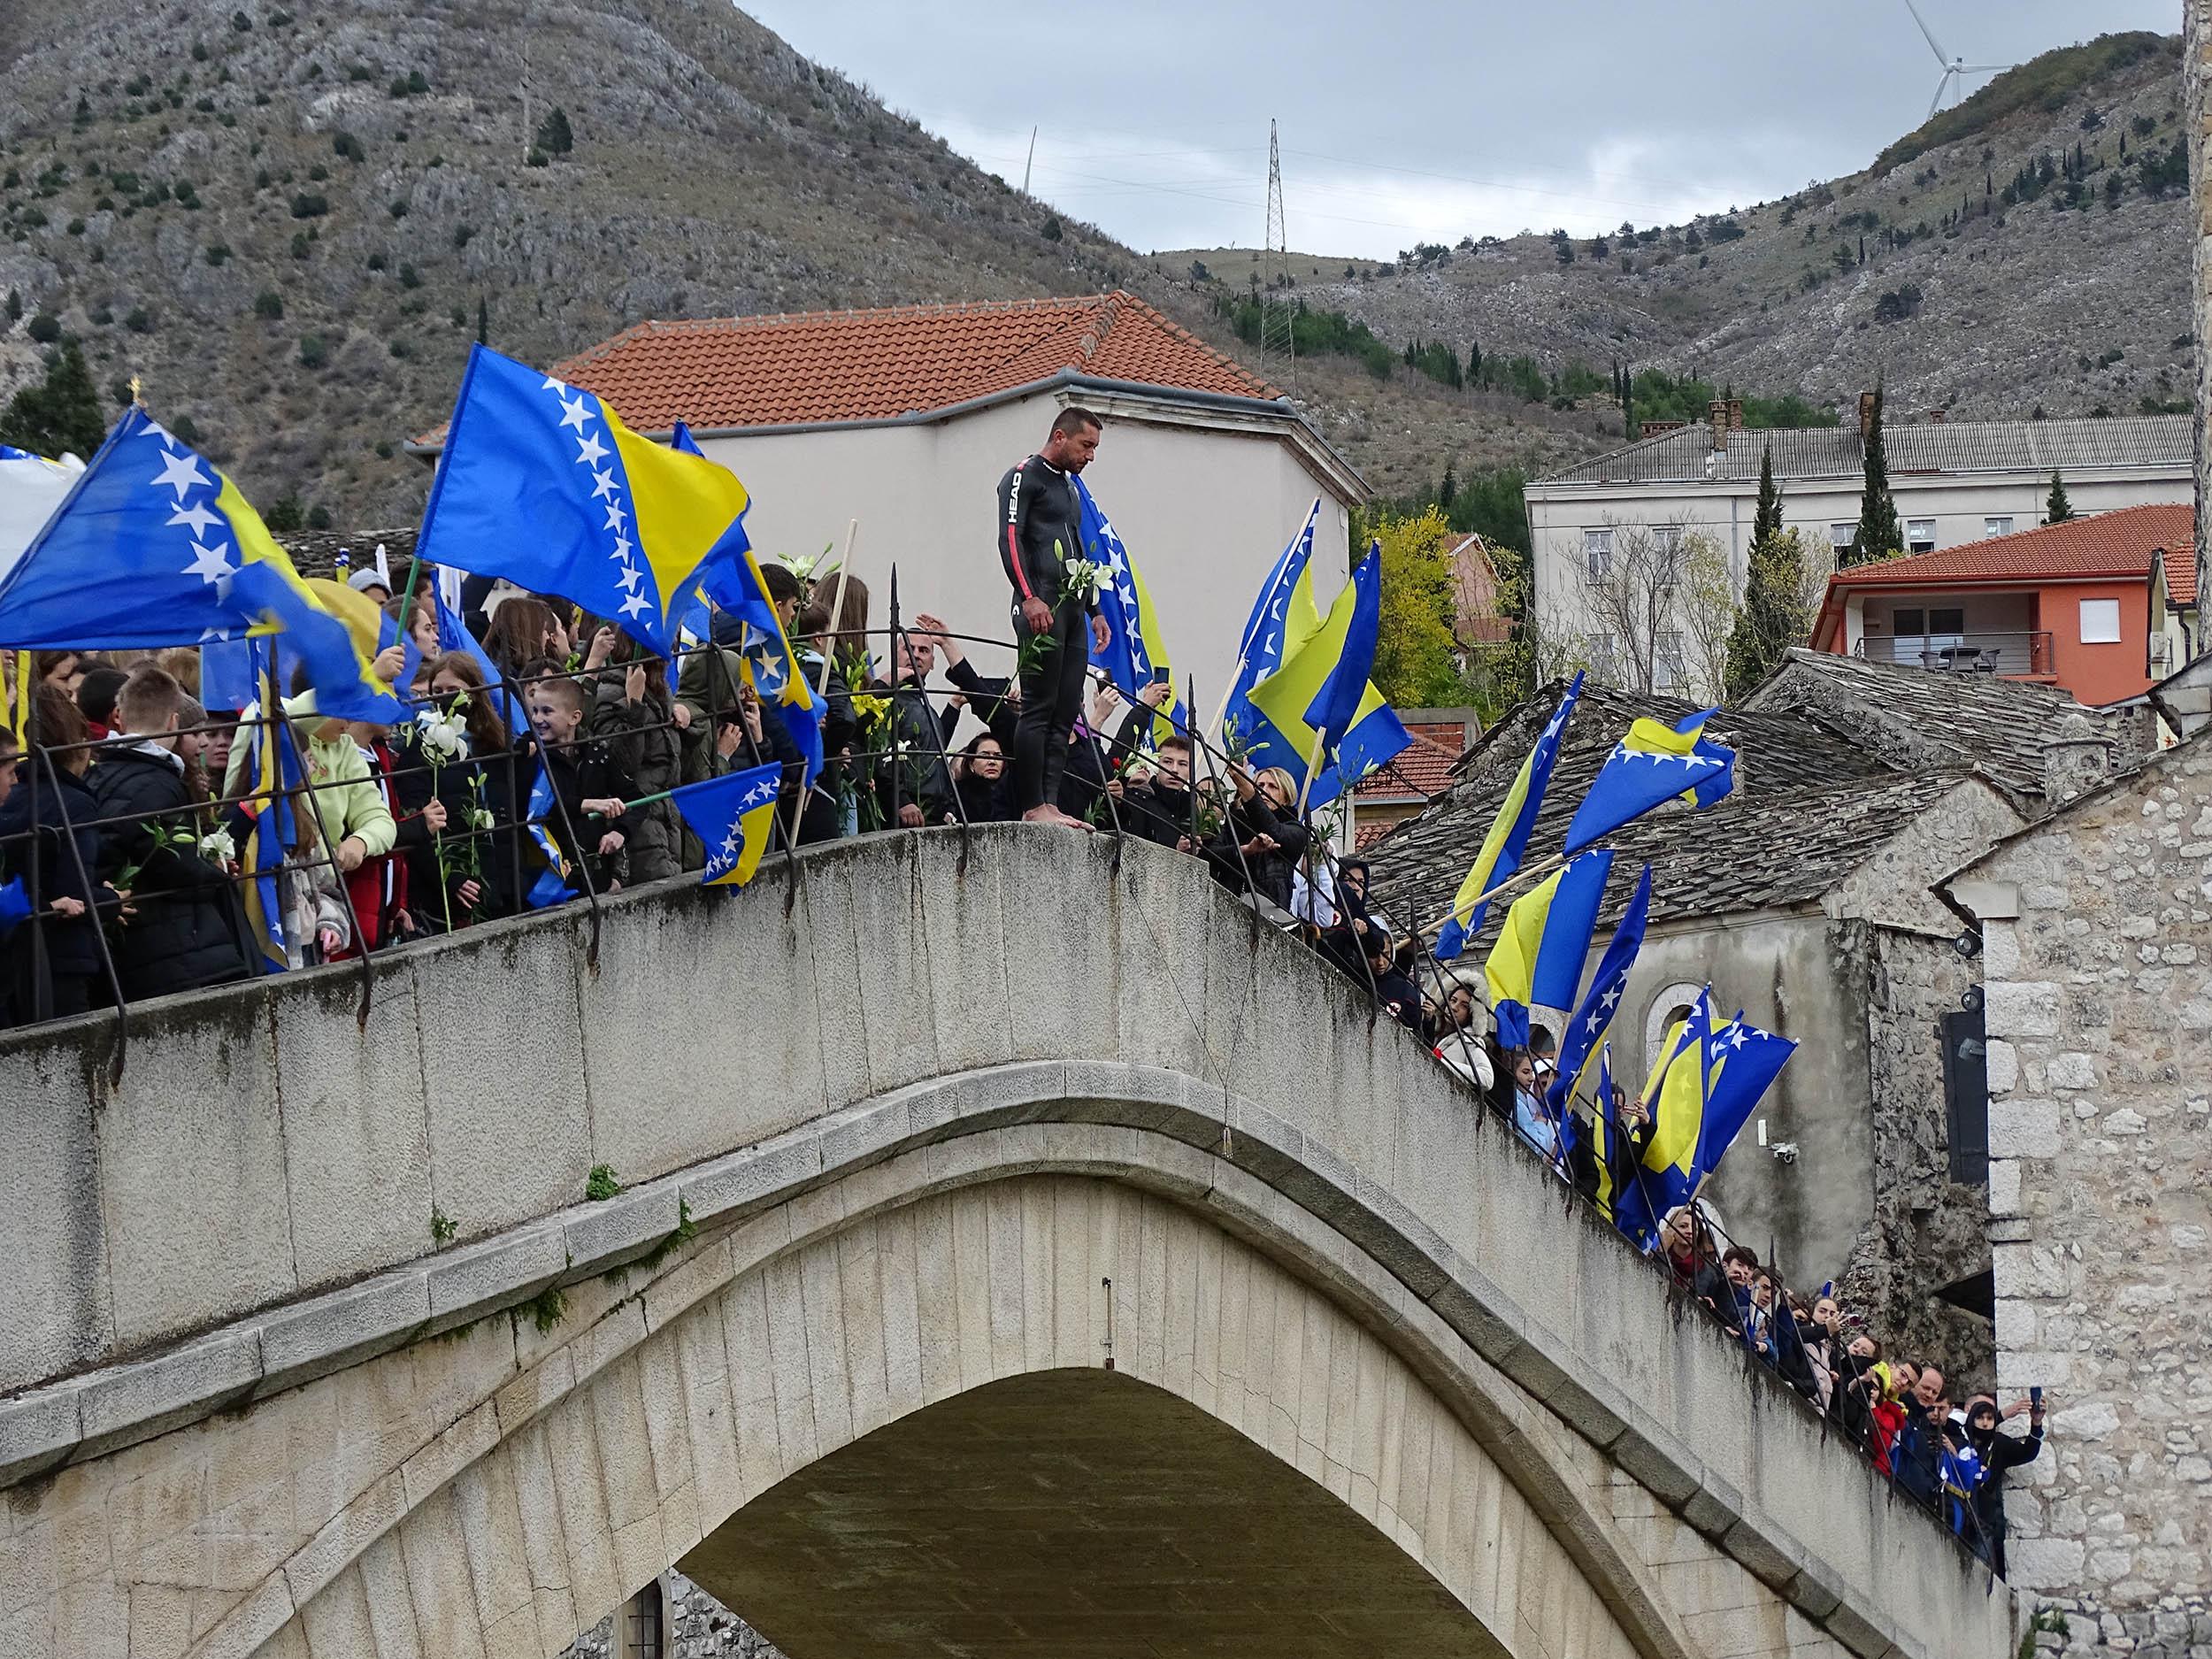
53 966
188 929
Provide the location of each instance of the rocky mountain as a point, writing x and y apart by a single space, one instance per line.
290 224
2027 248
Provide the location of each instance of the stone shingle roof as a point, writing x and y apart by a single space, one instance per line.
2116 543
810 366
1915 720
2161 443
1810 806
315 552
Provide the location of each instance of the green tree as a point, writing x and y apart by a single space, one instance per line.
58 415
1880 535
1414 645
1767 521
553 136
2058 509
483 322
1774 616
1447 490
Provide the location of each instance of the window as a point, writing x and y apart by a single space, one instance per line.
1665 1011
1920 535
1947 622
1599 648
1597 553
1904 622
2099 622
1997 527
1667 538
1839 535
1966 1095
1669 662
642 1624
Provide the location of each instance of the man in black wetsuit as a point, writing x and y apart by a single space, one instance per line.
1039 524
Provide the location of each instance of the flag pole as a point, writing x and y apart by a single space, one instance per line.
837 604
1542 867
1313 765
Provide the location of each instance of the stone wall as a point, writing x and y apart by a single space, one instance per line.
1927 1230
2097 929
698 1627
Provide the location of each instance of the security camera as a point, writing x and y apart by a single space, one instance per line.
1968 944
1971 998
1786 1150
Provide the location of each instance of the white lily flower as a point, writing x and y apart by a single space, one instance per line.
217 846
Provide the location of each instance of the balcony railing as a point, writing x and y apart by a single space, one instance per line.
2011 654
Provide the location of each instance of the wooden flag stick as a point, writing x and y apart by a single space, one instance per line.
837 604
1543 868
1313 763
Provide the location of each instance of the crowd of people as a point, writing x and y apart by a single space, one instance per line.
126 808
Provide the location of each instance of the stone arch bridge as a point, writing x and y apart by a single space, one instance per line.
1014 1256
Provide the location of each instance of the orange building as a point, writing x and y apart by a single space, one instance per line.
2067 605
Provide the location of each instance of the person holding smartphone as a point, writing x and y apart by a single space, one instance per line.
1997 1453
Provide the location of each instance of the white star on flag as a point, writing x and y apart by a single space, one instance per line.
630 577
155 429
589 450
603 483
208 563
198 515
615 515
180 472
1612 995
632 606
575 414
552 385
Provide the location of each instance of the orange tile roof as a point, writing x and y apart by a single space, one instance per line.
808 366
2116 543
1424 768
2181 570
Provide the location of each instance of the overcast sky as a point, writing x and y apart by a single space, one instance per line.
1407 120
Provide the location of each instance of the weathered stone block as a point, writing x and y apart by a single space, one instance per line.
2013 1008
2023 1129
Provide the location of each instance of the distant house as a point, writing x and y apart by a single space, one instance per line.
904 418
1478 619
1955 482
2100 606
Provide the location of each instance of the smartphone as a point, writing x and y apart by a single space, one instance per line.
2035 1394
1159 675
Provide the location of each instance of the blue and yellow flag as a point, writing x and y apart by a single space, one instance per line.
1312 697
276 781
732 816
1746 1062
1650 765
154 547
1283 617
1134 652
541 483
1537 962
1676 1093
1502 847
15 905
551 886
1609 984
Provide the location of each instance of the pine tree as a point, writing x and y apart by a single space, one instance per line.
1447 490
1774 616
1880 535
60 414
15 307
483 322
2058 509
553 136
1474 363
1767 521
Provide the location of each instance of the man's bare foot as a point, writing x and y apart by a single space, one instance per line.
1053 815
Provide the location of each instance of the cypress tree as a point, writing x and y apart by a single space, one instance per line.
1628 402
1774 616
1880 535
1767 521
1474 363
483 322
2058 509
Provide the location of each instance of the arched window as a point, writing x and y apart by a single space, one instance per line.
1671 1003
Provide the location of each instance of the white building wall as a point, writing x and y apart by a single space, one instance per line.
1204 514
1961 505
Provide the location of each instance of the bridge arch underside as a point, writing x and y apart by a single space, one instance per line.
1298 1449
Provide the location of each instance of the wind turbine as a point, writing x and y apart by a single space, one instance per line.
1954 69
